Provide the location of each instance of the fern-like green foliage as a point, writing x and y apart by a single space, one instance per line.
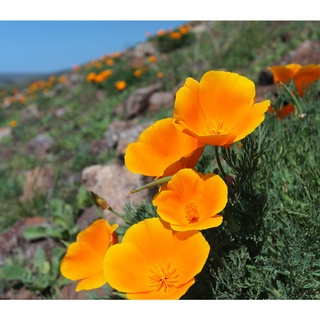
274 200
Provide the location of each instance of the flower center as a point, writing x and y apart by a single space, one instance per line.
192 213
214 127
163 278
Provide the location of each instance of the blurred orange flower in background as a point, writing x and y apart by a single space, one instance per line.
192 200
152 59
115 55
161 32
84 258
109 62
154 262
91 76
13 123
162 150
175 35
22 99
302 76
137 73
62 79
97 64
218 110
120 85
184 29
284 111
103 75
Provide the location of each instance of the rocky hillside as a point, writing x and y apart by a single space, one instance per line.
65 136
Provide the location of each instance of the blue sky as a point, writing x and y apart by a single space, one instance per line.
50 46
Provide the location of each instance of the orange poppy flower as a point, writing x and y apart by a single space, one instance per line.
162 150
161 32
103 75
84 258
109 62
175 35
62 79
192 200
152 59
120 85
91 76
301 75
99 78
137 73
22 100
13 123
220 109
115 55
154 262
184 29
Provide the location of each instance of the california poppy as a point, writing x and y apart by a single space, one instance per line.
83 260
192 200
162 150
155 262
218 110
302 76
13 123
91 76
120 85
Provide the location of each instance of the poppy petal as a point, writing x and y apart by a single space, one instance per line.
159 147
252 120
126 268
226 96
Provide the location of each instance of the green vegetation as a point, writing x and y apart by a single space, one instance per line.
268 246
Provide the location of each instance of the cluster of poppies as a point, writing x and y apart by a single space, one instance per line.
301 76
158 258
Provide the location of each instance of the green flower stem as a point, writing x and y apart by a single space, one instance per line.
105 206
294 98
231 222
117 214
152 184
219 162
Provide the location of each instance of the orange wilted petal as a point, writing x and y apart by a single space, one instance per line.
162 150
84 258
220 109
192 200
154 262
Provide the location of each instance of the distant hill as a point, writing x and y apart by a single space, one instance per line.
8 80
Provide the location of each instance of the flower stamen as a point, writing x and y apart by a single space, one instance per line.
214 127
192 213
163 278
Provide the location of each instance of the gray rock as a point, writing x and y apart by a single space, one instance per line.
138 101
38 180
114 183
40 145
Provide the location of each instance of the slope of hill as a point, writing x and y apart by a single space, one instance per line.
64 135
9 81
